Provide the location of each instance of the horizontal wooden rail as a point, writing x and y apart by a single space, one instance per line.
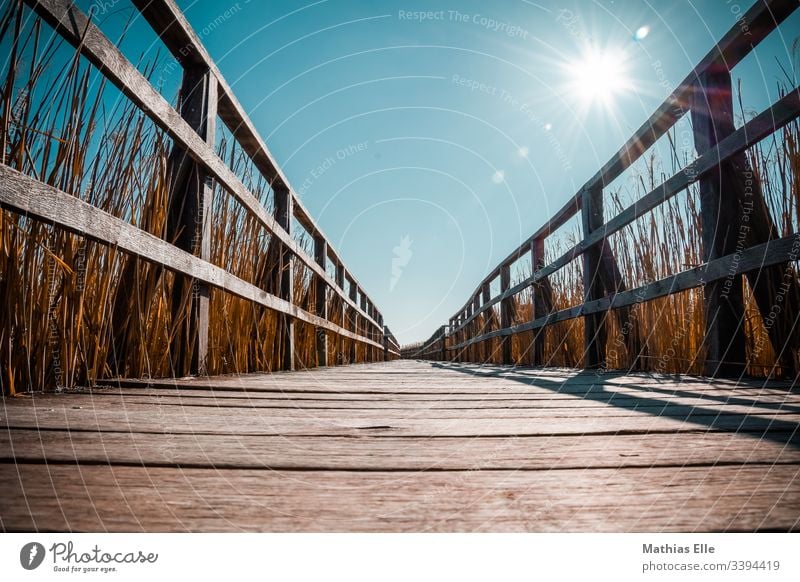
78 30
26 195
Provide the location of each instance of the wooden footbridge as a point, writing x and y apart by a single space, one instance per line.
457 435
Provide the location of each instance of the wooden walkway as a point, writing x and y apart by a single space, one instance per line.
405 446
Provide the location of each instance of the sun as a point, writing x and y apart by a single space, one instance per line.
598 77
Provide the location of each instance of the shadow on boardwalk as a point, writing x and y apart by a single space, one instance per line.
714 415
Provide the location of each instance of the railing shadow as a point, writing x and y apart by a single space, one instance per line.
596 390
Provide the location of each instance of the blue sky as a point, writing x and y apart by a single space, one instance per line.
460 132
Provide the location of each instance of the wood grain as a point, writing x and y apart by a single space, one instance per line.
405 446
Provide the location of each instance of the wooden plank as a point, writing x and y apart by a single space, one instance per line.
390 453
735 498
453 378
773 424
590 405
621 396
79 31
721 224
28 196
428 406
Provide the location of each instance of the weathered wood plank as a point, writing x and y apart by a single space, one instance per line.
163 499
391 453
584 408
654 402
398 423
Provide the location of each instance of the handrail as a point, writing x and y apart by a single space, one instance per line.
762 18
773 118
699 94
74 215
26 195
79 31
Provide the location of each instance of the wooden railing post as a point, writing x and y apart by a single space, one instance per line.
486 296
594 324
283 216
444 343
364 324
475 348
385 341
188 219
506 314
712 120
542 301
321 303
448 357
353 318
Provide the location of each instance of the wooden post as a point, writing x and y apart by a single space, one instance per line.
542 301
385 341
594 324
486 346
450 357
506 314
444 343
614 282
712 120
353 319
475 348
364 323
188 219
321 303
462 336
283 215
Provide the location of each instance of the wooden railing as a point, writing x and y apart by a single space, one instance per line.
204 95
706 95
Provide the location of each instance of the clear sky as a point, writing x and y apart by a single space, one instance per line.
440 141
